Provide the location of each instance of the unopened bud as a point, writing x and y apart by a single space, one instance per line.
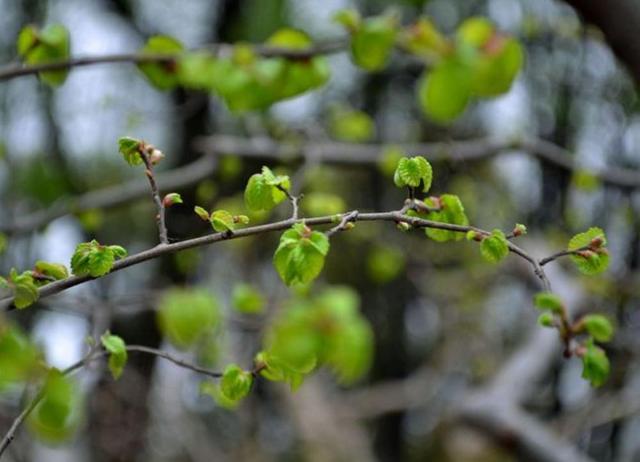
519 230
404 226
155 156
596 242
171 199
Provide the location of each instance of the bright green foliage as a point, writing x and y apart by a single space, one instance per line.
519 230
449 209
411 171
494 247
599 327
546 319
263 190
351 125
300 256
325 330
172 199
163 75
548 301
247 299
372 39
213 389
50 44
117 353
445 91
202 213
424 40
187 315
222 220
20 360
236 383
130 150
95 260
595 364
56 417
320 203
349 18
384 264
197 70
595 259
23 286
56 271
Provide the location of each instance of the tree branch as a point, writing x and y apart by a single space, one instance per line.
145 155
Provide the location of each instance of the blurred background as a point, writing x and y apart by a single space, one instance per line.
456 340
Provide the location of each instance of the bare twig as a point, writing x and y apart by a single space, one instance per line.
344 221
563 253
146 153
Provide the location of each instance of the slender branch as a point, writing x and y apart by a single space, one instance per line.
563 253
155 252
146 151
295 202
11 71
344 221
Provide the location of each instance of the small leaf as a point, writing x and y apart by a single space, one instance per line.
117 353
599 327
349 18
494 247
444 92
202 213
449 209
163 75
50 44
262 192
546 319
187 315
118 251
300 256
236 383
412 171
595 364
247 299
130 150
592 261
222 220
372 42
95 260
54 270
171 199
25 289
548 301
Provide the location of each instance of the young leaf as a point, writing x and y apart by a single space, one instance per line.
202 213
187 315
276 370
546 319
495 247
117 353
262 191
95 260
56 417
43 46
171 199
548 301
25 289
221 220
372 42
449 209
236 383
412 171
349 18
595 364
444 92
130 150
20 360
56 271
300 256
594 260
598 326
163 75
247 299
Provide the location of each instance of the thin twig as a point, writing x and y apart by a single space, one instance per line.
155 194
346 219
295 202
563 253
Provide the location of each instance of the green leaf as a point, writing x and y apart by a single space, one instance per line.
350 350
24 287
276 370
57 416
300 256
595 364
20 360
95 260
171 199
372 42
289 39
475 31
162 75
450 210
197 70
236 383
546 319
117 353
187 315
548 301
595 260
444 92
495 70
222 220
412 171
202 213
50 44
424 40
213 389
247 299
53 270
349 18
599 327
130 150
351 125
494 247
262 192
